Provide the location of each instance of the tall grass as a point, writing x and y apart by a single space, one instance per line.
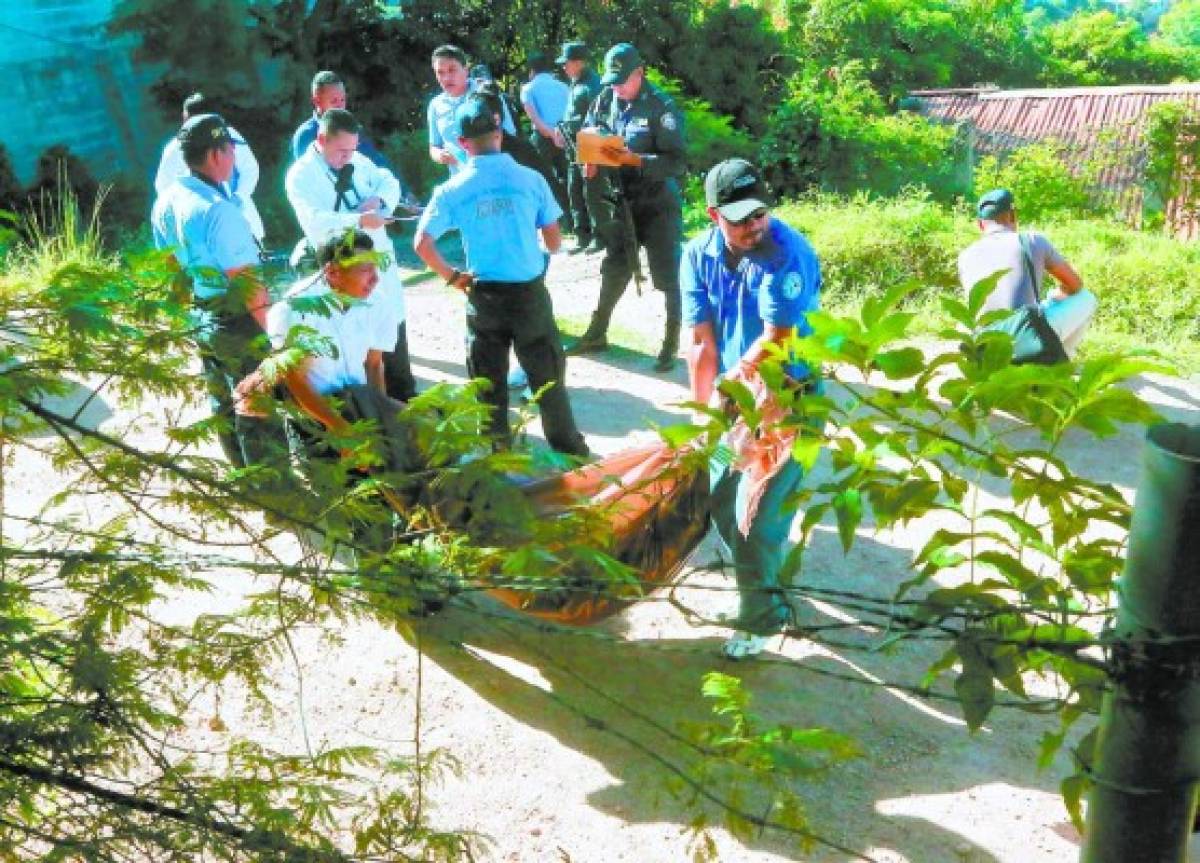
1148 284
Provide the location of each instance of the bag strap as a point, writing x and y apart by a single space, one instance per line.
1030 271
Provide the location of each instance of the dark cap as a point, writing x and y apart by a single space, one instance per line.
620 62
573 51
475 118
341 246
200 134
735 189
995 203
480 72
538 62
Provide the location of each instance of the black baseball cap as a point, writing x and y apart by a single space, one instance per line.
620 62
475 118
573 51
202 133
995 203
735 189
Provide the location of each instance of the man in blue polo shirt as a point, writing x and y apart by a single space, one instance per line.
450 69
544 99
501 208
212 243
747 282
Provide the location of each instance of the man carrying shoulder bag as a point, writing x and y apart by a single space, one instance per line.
1044 331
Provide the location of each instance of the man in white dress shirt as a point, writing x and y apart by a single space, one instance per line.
332 187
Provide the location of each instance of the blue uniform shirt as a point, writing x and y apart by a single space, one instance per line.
775 284
306 133
498 206
206 231
548 95
443 126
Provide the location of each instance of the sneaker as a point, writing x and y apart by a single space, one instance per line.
744 645
587 344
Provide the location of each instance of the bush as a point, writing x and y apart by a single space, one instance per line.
1041 181
834 134
1149 297
866 246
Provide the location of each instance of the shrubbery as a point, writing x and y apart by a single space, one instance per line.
1040 180
1149 297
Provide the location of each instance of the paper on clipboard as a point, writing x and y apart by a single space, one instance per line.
595 147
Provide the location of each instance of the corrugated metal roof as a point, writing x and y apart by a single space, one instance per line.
1095 124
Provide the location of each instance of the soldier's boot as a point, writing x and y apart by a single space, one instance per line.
669 353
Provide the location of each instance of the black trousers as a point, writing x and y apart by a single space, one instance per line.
231 347
658 226
519 315
556 158
591 206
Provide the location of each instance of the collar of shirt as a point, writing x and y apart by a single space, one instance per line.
714 247
997 228
490 162
204 186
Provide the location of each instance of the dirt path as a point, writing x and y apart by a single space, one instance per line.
563 735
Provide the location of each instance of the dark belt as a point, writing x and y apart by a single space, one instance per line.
492 286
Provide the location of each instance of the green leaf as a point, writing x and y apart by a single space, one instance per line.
900 364
1073 789
806 450
847 505
974 687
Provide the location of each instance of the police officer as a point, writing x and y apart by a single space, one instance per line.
171 165
652 164
212 243
500 208
590 212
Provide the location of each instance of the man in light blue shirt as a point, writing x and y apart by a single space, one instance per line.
211 242
747 282
501 208
545 100
450 69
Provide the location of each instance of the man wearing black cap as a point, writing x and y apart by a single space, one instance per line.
211 242
652 163
1026 257
590 212
501 208
748 285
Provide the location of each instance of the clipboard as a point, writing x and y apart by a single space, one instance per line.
592 145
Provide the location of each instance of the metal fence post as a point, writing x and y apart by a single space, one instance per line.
1147 761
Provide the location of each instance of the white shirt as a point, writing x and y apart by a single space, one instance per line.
341 362
311 191
243 183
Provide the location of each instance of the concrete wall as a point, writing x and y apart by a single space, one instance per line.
66 82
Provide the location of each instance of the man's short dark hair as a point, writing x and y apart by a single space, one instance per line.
539 62
338 120
326 79
449 52
196 104
341 246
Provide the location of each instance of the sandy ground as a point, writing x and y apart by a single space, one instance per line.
563 734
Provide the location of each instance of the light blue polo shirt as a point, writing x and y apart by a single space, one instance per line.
497 205
549 97
443 127
776 284
207 232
